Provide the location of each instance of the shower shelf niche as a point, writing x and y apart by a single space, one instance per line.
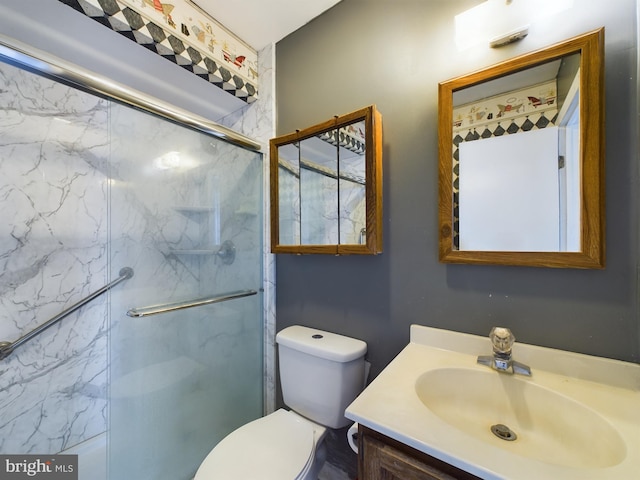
206 217
193 211
245 213
196 251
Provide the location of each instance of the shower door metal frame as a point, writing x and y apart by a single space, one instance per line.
42 63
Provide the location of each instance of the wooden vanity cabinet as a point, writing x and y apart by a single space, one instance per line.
382 458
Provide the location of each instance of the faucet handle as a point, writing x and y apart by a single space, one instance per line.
502 340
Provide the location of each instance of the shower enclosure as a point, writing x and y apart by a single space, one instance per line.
169 359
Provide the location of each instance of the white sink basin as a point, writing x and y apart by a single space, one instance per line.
541 424
576 418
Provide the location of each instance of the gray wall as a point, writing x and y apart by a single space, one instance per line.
394 54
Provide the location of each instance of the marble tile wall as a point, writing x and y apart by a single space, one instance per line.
176 196
70 199
53 246
258 121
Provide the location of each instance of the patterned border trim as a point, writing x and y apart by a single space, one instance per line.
162 41
506 106
350 138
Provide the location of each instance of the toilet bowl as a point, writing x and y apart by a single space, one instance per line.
282 445
320 373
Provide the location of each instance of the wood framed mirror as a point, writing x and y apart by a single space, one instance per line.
521 160
326 187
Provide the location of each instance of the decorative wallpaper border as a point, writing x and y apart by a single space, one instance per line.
506 107
183 34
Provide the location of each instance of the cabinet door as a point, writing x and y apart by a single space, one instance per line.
384 462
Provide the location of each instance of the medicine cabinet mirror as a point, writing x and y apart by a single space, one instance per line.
521 160
326 187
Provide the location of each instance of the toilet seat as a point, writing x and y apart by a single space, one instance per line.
276 447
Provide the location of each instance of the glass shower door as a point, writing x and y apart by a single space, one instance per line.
185 213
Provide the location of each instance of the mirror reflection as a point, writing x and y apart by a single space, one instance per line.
328 191
522 159
516 169
289 188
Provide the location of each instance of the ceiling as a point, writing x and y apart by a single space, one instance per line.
261 22
515 81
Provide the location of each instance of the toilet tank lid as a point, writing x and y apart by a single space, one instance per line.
319 343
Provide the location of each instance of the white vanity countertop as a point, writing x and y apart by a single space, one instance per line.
609 388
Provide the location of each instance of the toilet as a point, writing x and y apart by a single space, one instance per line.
321 373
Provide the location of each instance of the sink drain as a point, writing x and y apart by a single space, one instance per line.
503 432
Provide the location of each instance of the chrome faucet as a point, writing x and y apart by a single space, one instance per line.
502 340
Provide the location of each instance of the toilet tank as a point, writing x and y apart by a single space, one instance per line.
321 373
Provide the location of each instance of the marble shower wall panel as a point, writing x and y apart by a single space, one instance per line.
353 211
238 190
53 242
318 209
157 169
258 122
176 196
289 207
159 226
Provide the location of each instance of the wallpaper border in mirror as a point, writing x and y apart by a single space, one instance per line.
373 184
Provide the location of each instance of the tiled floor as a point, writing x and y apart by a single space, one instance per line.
329 472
